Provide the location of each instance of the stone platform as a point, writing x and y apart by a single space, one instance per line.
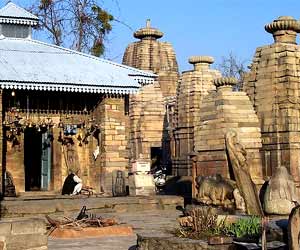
23 234
37 206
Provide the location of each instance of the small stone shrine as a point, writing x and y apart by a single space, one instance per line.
224 109
192 88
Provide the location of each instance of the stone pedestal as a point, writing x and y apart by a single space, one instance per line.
141 184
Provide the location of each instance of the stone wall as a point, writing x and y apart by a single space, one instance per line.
147 121
192 88
220 111
114 140
109 114
273 86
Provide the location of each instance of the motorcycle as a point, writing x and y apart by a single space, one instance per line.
159 175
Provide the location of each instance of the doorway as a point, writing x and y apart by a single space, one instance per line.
156 157
37 159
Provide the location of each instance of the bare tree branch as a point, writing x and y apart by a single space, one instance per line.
232 66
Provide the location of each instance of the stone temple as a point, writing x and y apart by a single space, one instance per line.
103 116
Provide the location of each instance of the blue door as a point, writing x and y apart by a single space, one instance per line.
46 161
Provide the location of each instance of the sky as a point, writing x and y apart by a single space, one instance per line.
196 27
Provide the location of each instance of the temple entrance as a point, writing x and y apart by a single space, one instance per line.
37 159
156 156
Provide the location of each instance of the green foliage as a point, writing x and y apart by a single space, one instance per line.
248 227
202 222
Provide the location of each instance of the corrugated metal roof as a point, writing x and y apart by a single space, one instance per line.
12 10
31 64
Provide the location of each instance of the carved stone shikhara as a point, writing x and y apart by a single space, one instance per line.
153 55
273 87
147 124
193 87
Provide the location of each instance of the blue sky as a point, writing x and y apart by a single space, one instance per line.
197 27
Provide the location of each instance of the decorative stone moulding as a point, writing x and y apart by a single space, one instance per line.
148 31
284 29
225 82
201 59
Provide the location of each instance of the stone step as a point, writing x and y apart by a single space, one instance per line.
37 193
61 204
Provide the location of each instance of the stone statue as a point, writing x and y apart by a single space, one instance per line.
281 194
10 189
239 200
119 185
239 163
214 190
294 229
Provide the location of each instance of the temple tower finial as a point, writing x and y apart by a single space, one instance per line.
148 23
284 29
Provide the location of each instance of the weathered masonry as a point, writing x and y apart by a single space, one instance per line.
149 136
61 110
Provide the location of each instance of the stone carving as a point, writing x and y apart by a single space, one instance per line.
281 194
10 189
294 229
214 190
119 185
239 200
238 159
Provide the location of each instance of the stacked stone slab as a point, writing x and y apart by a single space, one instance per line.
220 111
147 115
151 54
273 85
193 87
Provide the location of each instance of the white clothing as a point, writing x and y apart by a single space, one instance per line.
77 179
78 187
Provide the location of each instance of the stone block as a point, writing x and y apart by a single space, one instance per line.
26 241
31 226
141 184
5 228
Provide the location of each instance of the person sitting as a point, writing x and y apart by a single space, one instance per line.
72 184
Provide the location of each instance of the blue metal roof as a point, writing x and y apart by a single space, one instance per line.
31 64
12 13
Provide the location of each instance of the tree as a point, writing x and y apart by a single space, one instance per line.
78 24
232 66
